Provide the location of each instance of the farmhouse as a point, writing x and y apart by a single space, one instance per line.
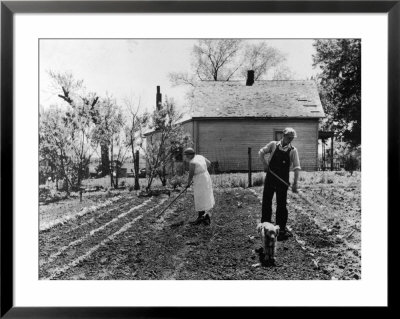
228 117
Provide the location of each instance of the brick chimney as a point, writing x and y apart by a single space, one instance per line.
250 78
158 99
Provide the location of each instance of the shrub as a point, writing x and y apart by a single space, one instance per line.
62 185
177 181
44 192
46 195
350 163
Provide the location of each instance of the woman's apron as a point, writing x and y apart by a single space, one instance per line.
202 185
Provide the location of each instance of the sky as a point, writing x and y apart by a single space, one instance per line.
133 68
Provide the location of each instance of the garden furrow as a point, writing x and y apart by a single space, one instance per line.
127 241
145 251
66 268
62 235
45 226
67 254
322 238
85 215
227 249
92 232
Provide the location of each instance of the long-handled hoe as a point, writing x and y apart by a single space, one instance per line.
297 193
181 193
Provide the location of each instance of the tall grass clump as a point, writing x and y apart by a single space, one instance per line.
229 180
258 179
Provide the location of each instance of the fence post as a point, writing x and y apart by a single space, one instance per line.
249 160
136 167
332 152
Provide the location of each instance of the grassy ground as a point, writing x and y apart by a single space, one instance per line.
118 235
241 179
106 183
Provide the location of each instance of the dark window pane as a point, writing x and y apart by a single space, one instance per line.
278 135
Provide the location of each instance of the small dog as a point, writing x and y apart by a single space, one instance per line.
269 234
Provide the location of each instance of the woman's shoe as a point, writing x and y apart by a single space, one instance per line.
199 219
206 220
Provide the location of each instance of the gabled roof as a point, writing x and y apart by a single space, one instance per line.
264 99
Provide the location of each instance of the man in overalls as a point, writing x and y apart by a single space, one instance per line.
282 156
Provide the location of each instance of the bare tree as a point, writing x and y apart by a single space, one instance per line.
79 120
283 72
182 78
260 57
54 146
214 59
162 144
224 59
132 132
119 149
73 92
70 87
109 124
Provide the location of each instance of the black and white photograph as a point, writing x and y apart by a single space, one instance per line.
199 159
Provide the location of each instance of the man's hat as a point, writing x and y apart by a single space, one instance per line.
289 131
189 151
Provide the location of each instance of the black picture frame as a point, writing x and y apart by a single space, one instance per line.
9 8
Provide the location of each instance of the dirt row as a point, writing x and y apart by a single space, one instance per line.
331 228
137 245
67 245
326 222
62 234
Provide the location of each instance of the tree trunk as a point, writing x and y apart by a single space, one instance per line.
79 173
64 173
164 179
111 167
105 162
80 177
116 175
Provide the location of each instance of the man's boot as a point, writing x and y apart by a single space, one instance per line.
199 219
284 234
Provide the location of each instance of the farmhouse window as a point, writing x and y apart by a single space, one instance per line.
278 134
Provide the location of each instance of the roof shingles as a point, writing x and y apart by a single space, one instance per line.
265 99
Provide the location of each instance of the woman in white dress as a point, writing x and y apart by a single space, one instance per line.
202 186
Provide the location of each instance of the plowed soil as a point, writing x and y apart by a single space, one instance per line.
125 240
